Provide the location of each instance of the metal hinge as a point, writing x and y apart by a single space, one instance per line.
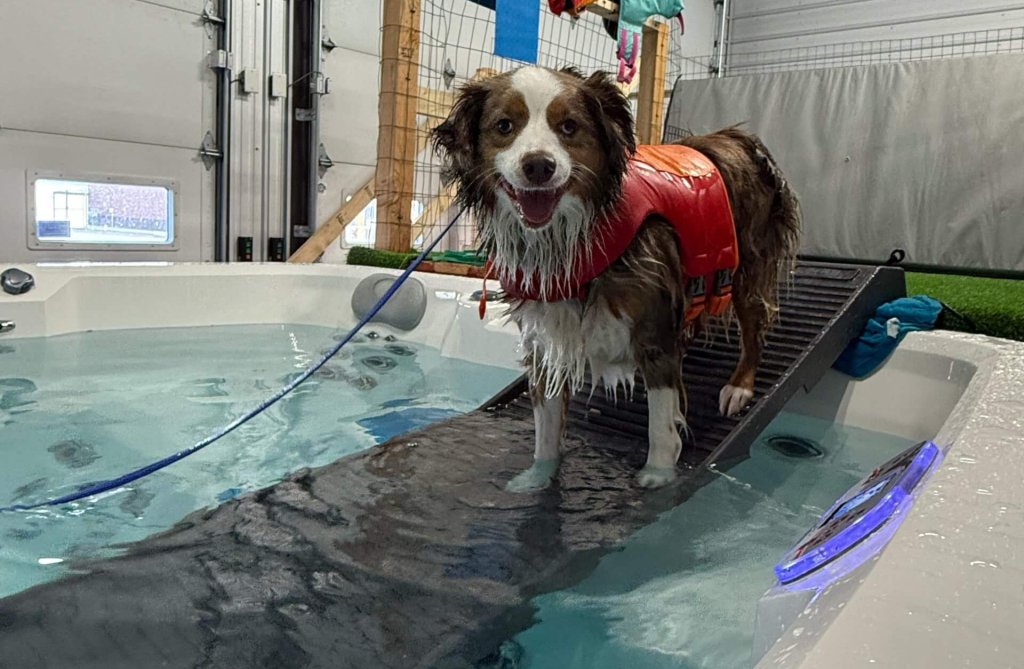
209 13
324 160
211 20
326 42
219 60
209 151
320 85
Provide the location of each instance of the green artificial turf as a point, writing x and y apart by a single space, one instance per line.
996 306
359 255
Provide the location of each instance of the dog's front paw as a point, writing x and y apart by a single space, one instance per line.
655 477
537 477
732 399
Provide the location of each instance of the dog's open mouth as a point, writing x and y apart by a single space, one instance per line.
536 206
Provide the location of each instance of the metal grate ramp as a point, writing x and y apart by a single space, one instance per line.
822 309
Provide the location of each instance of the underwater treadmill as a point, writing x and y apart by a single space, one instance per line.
412 554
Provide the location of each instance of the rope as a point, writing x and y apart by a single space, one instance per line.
97 487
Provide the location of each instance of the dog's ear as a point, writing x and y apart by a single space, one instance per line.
455 140
572 71
615 119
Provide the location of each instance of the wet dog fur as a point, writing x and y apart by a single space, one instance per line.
538 156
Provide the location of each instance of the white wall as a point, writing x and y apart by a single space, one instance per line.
105 86
123 87
348 124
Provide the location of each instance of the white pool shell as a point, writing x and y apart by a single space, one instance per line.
947 591
95 296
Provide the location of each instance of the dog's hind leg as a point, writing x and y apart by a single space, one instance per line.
754 316
767 216
549 426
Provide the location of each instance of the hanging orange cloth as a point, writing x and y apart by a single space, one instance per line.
573 7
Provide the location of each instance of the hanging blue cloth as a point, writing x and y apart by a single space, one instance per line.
517 30
891 322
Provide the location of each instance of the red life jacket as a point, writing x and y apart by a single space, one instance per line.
685 188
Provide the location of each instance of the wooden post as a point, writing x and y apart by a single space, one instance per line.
396 138
650 113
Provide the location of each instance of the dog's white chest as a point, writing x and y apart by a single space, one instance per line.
563 342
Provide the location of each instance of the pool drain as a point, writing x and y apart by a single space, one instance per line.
380 363
363 382
794 447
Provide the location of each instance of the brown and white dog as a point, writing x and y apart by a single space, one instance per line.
540 157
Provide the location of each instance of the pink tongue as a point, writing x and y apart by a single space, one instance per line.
538 205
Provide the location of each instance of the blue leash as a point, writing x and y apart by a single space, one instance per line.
90 489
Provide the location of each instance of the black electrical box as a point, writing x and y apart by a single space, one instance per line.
244 249
275 249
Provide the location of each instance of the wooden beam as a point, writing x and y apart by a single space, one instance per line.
650 113
438 207
434 103
327 232
396 138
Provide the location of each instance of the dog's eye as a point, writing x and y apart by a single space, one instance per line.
569 127
504 126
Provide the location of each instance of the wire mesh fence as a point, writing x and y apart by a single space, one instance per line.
849 54
456 46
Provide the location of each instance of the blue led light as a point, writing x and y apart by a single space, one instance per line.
798 564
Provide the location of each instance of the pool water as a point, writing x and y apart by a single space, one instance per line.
87 407
682 594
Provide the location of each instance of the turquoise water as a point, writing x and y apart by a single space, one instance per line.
682 594
86 407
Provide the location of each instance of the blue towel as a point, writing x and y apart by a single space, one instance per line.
891 322
517 29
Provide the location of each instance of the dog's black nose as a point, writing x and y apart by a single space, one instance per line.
538 167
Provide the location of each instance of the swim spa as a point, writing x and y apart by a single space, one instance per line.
686 588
